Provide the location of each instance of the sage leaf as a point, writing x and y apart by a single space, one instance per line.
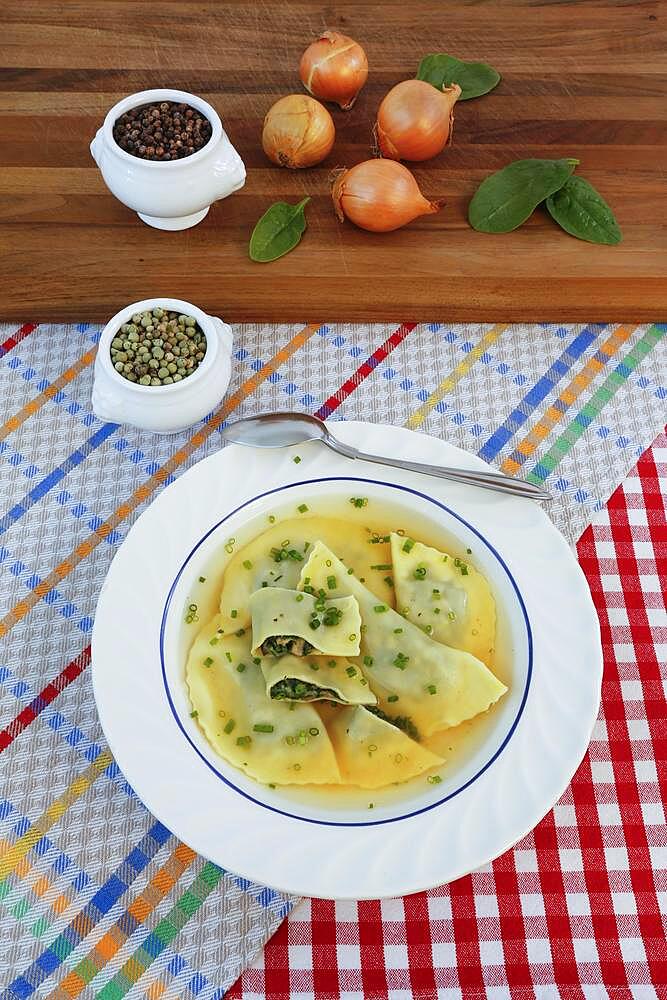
278 231
507 198
582 212
474 79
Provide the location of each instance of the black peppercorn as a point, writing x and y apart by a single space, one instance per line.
165 131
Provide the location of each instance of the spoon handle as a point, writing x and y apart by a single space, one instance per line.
485 480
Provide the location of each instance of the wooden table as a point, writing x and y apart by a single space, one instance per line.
587 80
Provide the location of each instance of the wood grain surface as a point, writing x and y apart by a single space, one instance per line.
587 80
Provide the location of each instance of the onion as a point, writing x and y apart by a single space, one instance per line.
415 120
379 195
298 132
334 68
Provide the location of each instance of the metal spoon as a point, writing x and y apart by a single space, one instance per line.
279 430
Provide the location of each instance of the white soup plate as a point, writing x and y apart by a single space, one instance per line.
414 838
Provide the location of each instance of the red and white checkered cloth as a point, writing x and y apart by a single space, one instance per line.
577 909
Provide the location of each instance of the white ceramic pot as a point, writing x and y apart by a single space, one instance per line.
163 408
172 194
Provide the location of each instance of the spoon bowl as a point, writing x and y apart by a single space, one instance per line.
275 430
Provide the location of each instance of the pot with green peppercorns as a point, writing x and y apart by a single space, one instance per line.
162 364
165 154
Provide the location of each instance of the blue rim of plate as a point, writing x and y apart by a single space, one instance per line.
327 822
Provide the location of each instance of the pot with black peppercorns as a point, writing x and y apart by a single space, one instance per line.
165 154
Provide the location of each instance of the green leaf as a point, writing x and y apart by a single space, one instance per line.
582 212
507 198
278 231
474 79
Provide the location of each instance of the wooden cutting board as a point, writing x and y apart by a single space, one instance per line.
587 80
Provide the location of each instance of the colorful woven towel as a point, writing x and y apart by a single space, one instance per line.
96 897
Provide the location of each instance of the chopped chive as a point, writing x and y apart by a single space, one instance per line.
220 631
264 583
371 805
314 731
379 608
434 779
230 726
401 661
192 608
359 501
240 632
435 592
351 672
408 545
194 715
202 579
392 697
352 636
257 660
314 623
382 566
306 546
262 727
297 767
272 519
368 661
426 628
464 570
397 631
214 641
350 572
229 548
420 573
241 667
229 656
299 598
313 666
208 662
372 747
388 580
331 663
247 564
451 615
436 611
302 508
431 688
296 459
243 741
469 551
234 613
331 582
271 785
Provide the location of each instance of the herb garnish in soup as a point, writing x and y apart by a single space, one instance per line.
341 654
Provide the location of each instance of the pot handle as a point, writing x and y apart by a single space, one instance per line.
96 147
225 334
107 399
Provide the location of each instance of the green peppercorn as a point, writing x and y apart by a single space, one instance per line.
158 347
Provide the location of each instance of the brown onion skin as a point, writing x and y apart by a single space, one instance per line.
298 132
379 196
334 68
415 121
